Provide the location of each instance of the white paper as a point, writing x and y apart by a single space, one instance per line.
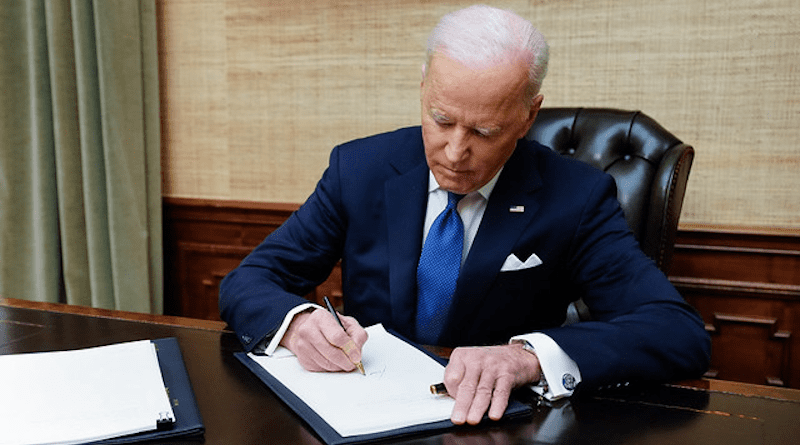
394 393
78 396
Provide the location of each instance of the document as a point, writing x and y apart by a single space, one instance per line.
394 393
79 396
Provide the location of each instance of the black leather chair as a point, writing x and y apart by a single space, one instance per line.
649 164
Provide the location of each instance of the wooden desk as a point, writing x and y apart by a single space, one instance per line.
238 409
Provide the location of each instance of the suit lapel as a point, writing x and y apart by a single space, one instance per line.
406 197
500 229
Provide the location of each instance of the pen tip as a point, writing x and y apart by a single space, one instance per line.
361 368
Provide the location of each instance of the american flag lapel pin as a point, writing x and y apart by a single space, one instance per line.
517 209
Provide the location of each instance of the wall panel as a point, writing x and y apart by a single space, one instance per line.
745 286
255 93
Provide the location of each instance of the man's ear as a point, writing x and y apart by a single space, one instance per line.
536 105
424 71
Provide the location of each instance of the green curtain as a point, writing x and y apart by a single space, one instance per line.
80 168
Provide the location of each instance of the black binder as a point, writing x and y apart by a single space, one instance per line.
331 437
188 424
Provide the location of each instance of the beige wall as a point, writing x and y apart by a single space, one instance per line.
255 93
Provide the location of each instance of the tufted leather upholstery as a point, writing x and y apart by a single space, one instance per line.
649 165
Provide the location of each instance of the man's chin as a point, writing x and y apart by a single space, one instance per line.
455 187
451 182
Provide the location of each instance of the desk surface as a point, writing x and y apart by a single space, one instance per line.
238 409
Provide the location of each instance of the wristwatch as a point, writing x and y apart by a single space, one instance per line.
542 383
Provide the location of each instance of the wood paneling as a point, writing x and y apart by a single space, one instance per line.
745 285
206 239
203 241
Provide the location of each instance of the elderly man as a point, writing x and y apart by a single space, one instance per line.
462 233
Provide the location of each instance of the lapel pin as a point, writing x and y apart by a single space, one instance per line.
517 209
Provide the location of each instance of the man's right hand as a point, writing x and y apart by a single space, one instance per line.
320 344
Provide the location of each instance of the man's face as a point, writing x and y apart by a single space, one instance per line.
472 119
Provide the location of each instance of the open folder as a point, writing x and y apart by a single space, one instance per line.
120 393
393 398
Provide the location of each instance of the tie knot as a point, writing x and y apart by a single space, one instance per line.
453 198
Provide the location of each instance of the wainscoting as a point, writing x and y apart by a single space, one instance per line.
745 284
206 239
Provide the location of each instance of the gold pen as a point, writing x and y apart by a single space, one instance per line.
333 312
439 389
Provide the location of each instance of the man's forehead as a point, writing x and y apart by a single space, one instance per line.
492 85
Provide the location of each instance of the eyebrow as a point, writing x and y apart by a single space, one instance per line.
441 116
438 114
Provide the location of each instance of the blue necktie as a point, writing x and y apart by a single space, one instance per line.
437 272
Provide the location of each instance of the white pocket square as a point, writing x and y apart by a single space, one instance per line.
513 263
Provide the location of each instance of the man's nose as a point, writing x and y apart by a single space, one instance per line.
457 148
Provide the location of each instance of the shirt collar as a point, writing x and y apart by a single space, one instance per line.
484 191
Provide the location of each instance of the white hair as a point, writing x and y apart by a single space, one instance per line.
480 36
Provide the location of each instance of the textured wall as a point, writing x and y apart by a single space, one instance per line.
255 93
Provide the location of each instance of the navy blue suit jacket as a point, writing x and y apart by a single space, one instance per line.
368 209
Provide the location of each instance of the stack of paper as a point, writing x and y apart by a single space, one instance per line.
395 393
79 396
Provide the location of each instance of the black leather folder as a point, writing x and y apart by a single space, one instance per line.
329 435
187 423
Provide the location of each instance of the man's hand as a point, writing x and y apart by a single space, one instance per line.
320 344
481 378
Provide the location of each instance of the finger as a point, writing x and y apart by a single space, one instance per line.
330 358
482 397
310 358
314 352
454 372
338 347
310 342
358 337
464 392
500 396
351 351
297 340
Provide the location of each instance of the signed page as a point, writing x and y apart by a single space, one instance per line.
394 393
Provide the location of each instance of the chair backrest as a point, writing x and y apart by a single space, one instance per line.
649 164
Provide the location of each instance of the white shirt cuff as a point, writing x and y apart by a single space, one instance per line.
559 371
276 339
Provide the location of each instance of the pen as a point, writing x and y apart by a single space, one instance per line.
439 389
333 312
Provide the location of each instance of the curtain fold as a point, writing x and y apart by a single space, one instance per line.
80 201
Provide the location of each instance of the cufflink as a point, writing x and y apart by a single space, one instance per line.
568 380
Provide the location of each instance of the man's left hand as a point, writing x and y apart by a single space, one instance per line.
481 379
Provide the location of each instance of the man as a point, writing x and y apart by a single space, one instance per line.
533 232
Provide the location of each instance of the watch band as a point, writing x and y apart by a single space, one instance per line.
542 383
